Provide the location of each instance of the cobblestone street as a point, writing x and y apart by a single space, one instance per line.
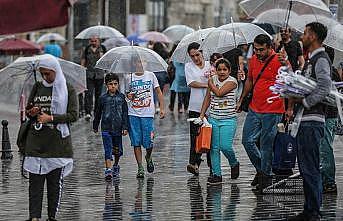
170 193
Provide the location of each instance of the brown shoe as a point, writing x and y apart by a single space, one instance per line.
235 171
193 169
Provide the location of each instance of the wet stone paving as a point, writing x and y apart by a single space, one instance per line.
170 193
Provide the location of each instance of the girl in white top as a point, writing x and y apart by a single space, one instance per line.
221 98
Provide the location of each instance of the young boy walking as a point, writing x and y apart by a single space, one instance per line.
141 116
113 112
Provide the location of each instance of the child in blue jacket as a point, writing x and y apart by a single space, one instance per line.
113 112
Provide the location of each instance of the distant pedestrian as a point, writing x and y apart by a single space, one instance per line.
197 73
95 77
312 125
53 48
52 106
113 112
141 107
221 98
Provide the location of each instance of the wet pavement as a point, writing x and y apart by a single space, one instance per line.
170 193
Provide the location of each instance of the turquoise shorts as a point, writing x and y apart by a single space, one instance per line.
141 131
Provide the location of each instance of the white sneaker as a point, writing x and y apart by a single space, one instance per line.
88 117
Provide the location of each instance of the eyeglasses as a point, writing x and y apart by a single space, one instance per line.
259 49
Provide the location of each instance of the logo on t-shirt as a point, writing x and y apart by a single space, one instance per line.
141 93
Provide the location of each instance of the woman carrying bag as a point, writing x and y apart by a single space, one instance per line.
52 106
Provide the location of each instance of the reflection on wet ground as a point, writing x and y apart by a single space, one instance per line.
167 194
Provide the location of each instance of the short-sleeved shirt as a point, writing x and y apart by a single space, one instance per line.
293 50
223 107
194 73
142 87
261 90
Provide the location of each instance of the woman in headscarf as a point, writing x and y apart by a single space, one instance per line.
52 106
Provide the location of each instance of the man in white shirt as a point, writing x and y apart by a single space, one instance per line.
197 79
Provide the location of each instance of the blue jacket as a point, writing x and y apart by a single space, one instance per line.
112 110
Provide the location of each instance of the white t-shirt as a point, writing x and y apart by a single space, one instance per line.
194 73
142 104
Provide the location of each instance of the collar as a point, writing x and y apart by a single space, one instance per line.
316 52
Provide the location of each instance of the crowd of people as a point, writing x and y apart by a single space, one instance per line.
215 90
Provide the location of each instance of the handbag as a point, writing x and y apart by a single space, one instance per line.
338 129
247 99
22 135
203 140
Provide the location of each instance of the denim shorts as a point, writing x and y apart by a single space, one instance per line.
111 143
141 131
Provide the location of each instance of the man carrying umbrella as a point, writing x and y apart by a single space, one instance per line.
311 129
95 77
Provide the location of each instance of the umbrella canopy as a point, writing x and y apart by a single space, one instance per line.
247 30
180 54
176 32
131 59
14 46
220 41
134 38
276 17
50 37
254 8
155 37
99 31
115 42
18 78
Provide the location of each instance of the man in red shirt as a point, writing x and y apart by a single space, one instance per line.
263 117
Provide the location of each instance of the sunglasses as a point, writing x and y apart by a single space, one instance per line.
259 49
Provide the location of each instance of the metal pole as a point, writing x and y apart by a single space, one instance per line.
6 145
70 36
107 4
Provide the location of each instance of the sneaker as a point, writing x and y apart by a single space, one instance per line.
88 117
255 180
140 172
235 171
193 169
171 108
304 217
330 188
149 165
115 170
108 174
263 182
214 180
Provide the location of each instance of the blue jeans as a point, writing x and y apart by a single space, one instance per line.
110 142
260 128
308 142
223 132
327 159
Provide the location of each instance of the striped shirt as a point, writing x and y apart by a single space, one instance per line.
223 107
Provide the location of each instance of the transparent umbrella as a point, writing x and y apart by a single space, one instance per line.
176 32
115 42
276 17
254 8
220 41
180 54
246 30
99 31
51 37
155 37
17 79
131 59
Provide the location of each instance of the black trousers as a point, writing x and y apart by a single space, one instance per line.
94 88
194 157
182 99
36 191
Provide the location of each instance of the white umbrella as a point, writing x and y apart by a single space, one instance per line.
131 59
177 32
155 36
276 17
115 42
18 78
180 54
254 8
246 30
99 31
220 41
50 37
